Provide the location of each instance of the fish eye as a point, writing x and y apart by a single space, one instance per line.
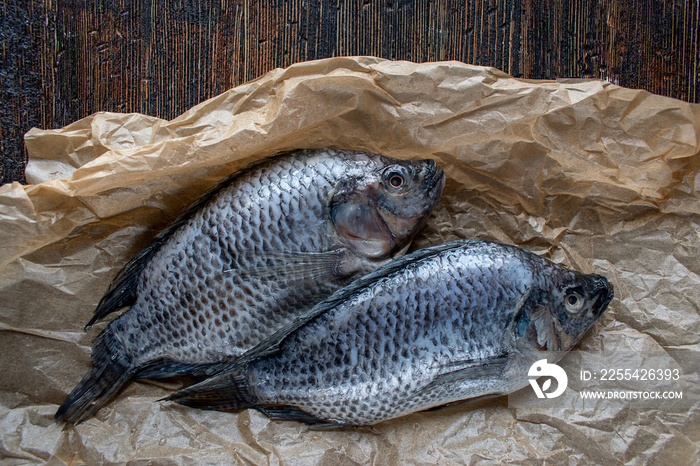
573 302
395 179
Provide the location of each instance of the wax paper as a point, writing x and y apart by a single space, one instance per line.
591 175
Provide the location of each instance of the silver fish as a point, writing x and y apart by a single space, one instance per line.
249 256
463 320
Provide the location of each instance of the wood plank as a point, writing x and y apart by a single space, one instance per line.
64 61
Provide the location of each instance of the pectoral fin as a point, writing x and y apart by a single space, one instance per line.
464 402
472 369
295 266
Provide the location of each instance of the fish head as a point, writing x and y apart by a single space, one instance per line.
554 317
378 212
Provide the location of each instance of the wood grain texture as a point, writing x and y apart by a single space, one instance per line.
63 60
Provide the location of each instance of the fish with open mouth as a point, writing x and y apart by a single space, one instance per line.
460 321
248 257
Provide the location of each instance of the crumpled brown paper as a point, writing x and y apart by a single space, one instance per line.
595 176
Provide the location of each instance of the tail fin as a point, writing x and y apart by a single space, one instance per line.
228 390
112 370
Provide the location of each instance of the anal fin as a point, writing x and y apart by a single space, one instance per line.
284 412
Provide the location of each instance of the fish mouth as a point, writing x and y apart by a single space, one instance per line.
610 294
436 182
604 293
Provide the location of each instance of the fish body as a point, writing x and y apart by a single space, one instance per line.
459 321
248 257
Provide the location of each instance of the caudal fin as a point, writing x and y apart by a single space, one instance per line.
112 370
228 390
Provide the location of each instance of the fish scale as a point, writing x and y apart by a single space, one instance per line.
444 324
248 257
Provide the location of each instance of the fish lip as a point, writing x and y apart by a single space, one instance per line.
605 293
436 182
611 291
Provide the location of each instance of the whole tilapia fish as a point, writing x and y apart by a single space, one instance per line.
458 321
262 247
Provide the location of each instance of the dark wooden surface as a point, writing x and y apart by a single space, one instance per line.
63 60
